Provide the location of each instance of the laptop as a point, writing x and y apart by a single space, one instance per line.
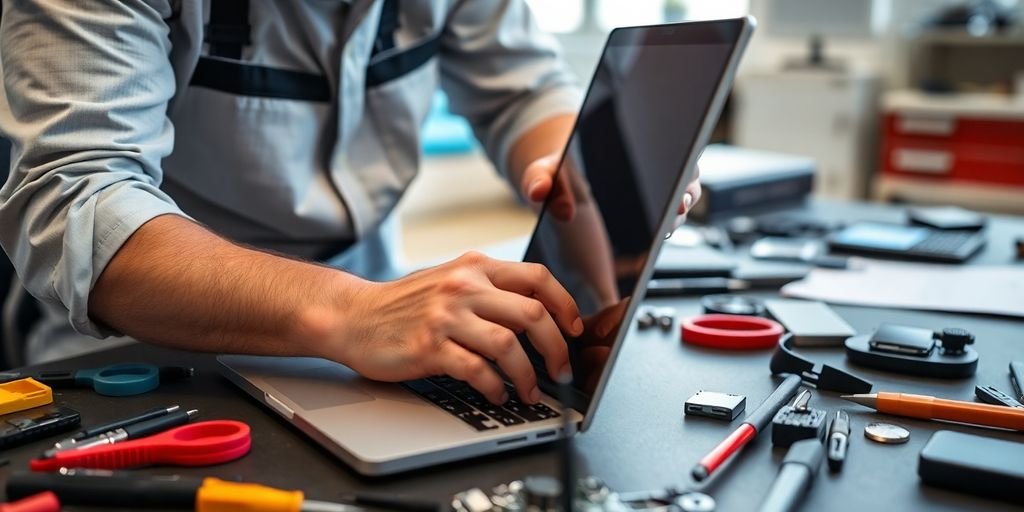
651 106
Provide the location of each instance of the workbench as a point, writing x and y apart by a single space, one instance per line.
640 439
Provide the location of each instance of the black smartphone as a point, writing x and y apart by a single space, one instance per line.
36 423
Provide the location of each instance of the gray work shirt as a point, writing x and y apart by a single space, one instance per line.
109 130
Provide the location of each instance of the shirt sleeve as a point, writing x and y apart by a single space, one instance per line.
502 73
87 84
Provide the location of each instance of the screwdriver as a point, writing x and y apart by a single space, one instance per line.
99 488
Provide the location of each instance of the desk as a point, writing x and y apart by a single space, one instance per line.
640 439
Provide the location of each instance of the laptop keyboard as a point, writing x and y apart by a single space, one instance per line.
462 401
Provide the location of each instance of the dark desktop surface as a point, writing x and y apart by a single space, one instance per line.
640 439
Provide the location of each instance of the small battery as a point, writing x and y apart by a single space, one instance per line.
722 406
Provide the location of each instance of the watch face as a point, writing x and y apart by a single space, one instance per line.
900 339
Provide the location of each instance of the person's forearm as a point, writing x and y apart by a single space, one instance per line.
174 283
548 137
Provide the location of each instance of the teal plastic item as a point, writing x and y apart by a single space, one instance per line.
120 379
445 133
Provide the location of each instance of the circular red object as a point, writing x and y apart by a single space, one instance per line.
733 332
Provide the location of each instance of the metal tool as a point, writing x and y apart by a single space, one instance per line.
798 421
113 425
199 444
991 395
886 433
128 432
838 441
125 379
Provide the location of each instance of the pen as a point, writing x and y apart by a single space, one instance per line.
838 441
751 426
113 425
133 431
931 408
1017 379
795 476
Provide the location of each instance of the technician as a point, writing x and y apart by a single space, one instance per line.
180 166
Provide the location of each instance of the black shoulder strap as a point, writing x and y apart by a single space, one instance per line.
386 28
228 30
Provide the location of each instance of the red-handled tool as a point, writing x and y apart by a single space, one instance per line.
200 444
42 502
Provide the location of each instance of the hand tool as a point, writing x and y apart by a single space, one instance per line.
198 444
838 441
991 395
732 332
45 501
128 432
795 476
77 487
113 425
751 426
798 421
931 408
1017 378
824 377
125 379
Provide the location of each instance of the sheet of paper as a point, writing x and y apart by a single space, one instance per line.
995 290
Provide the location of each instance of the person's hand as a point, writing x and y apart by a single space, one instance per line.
538 182
452 318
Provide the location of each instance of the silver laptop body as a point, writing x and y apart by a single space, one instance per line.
384 428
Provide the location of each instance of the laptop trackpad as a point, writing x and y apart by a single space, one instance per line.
319 388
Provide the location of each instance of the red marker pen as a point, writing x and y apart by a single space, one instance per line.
751 426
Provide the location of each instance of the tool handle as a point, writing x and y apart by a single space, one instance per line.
107 491
45 501
926 407
764 413
114 425
219 496
157 425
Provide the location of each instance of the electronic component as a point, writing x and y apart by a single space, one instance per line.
663 318
797 421
907 241
886 433
916 351
838 441
25 426
811 323
722 406
978 465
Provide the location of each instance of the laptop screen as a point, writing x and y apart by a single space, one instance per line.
635 133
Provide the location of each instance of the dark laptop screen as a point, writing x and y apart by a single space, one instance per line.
637 128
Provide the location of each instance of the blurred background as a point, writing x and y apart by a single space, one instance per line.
917 101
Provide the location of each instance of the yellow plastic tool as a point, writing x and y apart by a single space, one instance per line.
22 394
220 496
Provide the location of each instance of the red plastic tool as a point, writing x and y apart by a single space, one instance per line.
42 502
733 332
200 444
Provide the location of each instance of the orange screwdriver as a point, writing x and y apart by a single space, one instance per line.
931 408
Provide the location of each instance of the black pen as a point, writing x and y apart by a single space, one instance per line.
1017 378
133 431
113 425
838 441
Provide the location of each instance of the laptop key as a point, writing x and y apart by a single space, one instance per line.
544 411
502 416
477 420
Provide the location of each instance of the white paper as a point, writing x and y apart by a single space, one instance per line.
995 290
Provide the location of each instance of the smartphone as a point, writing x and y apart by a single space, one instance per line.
973 464
36 423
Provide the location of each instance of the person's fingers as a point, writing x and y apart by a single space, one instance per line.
534 280
536 183
690 197
459 363
499 344
521 313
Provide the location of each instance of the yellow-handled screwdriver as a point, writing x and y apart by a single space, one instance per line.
107 488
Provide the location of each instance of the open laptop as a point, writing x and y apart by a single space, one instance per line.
652 103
